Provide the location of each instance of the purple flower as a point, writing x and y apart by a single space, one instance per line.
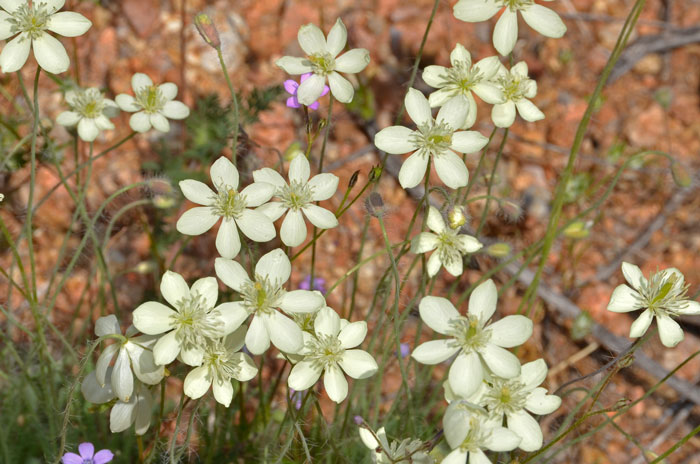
88 455
291 86
405 350
296 397
319 284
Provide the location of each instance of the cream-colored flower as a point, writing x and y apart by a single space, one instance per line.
152 105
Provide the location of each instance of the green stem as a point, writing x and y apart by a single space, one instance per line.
484 213
234 99
559 196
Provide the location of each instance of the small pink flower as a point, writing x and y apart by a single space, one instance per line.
88 455
291 86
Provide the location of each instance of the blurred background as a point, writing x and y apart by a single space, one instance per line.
652 102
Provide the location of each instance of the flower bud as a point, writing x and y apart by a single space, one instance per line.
498 250
353 179
375 173
456 217
375 204
681 174
577 230
206 28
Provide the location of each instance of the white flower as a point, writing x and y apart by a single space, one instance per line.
194 322
298 197
477 345
90 111
517 88
222 363
462 79
329 351
406 451
263 296
538 17
323 61
435 138
30 23
133 354
448 243
152 105
232 206
138 410
663 296
469 431
513 398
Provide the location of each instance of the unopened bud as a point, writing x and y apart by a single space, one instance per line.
206 28
498 250
511 211
353 179
456 217
577 230
375 173
681 174
375 204
145 267
582 326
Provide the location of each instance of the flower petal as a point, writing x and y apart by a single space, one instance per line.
539 402
502 362
633 275
175 110
140 81
293 231
670 331
68 24
311 39
505 33
224 174
352 334
453 113
88 130
423 243
174 288
127 103
275 266
231 273
503 114
197 382
68 118
103 362
434 351
107 325
528 111
466 374
140 122
533 373
434 76
122 378
335 384
358 364
468 141
624 299
303 375
86 450
327 323
153 318
353 61
544 21
15 53
527 428
223 391
475 11
641 324
94 392
437 312
159 122
294 65
511 331
122 415
311 89
320 217
103 456
284 333
482 301
50 54
501 439
233 314
302 301
197 192
323 186
337 38
228 243
413 169
168 90
256 226
270 176
196 221
395 140
417 107
166 349
451 169
341 88
257 339
208 289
